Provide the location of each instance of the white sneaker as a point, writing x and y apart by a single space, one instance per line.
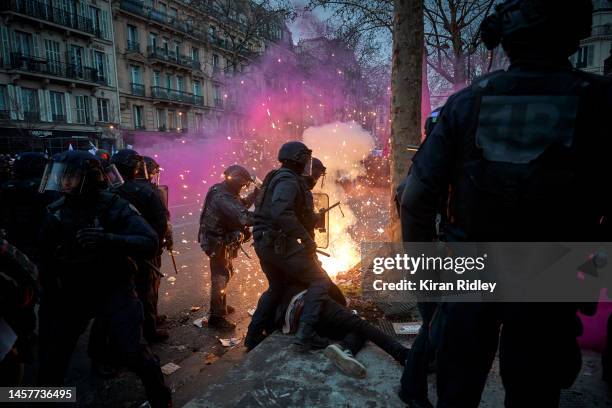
344 360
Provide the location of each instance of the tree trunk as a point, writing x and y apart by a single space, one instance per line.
406 94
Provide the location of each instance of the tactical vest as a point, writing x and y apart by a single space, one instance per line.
262 217
524 169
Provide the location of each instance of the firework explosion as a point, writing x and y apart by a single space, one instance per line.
286 96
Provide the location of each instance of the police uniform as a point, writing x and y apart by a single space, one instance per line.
142 195
224 225
285 247
88 240
524 152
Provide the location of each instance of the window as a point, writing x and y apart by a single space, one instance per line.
156 78
24 44
136 74
168 81
180 83
52 51
132 32
153 40
171 119
76 60
161 119
99 20
58 110
197 88
100 66
83 111
137 112
4 108
173 13
163 8
177 48
165 44
195 54
29 101
215 62
217 95
199 122
585 56
103 110
212 32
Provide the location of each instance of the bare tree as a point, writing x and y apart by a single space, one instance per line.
452 39
244 26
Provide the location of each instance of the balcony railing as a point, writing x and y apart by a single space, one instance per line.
133 46
31 116
138 89
138 7
5 114
43 66
58 118
168 94
46 12
171 56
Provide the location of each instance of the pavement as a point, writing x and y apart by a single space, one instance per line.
275 375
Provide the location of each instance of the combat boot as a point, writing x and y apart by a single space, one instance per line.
307 339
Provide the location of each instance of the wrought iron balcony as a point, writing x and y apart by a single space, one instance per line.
173 95
55 68
46 12
58 118
138 7
163 54
133 46
138 89
31 116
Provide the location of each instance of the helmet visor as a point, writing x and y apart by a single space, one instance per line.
308 166
113 177
62 178
141 169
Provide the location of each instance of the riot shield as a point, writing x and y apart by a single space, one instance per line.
163 194
321 202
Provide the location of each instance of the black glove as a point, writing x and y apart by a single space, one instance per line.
91 238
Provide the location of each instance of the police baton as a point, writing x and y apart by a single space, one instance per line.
324 210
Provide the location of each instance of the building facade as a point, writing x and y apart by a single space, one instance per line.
58 83
595 49
174 59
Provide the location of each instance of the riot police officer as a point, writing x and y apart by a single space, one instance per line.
138 191
318 171
285 246
88 241
224 226
520 150
153 177
22 207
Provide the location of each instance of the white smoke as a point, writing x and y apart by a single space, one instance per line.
341 147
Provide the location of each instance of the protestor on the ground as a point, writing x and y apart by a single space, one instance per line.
285 246
88 241
141 194
520 150
22 206
338 323
224 227
18 296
